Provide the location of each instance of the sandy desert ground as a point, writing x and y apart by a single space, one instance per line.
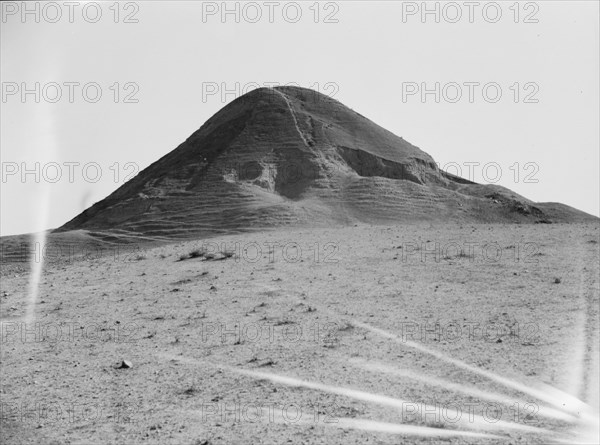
310 336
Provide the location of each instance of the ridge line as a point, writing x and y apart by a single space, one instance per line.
287 101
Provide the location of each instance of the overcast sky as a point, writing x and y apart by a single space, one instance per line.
518 88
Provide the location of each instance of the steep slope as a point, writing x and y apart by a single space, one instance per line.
293 156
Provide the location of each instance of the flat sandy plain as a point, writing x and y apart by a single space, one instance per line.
352 311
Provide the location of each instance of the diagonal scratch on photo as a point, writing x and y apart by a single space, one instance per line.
312 222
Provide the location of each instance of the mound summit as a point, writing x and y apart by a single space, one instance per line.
292 156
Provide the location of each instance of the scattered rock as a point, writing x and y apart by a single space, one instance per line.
557 281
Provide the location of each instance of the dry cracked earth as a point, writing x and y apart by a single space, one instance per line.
342 335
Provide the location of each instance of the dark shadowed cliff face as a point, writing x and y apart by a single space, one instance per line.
292 156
